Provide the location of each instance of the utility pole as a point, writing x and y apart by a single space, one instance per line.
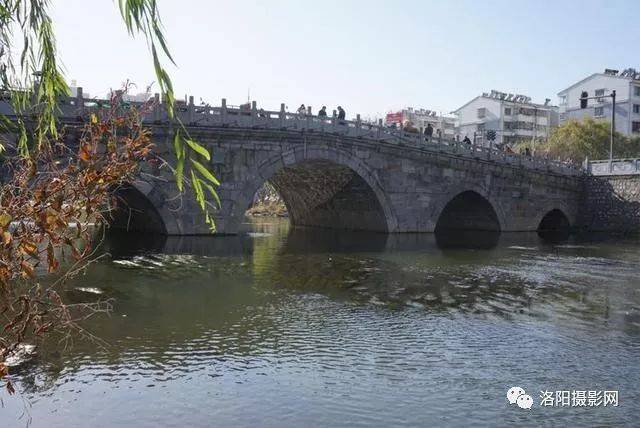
535 126
583 105
613 129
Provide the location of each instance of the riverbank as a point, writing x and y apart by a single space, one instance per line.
267 203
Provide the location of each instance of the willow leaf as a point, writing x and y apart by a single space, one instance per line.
205 172
198 148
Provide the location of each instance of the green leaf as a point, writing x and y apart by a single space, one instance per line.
177 145
179 174
196 147
213 193
205 172
197 188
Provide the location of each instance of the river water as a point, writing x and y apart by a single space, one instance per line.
286 328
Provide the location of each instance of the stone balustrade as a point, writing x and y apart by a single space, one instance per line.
613 167
250 116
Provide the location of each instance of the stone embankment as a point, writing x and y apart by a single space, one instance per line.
611 203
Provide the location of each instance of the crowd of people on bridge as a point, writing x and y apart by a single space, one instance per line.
428 131
304 111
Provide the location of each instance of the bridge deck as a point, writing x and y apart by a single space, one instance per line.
154 111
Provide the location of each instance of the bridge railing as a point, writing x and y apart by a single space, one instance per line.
250 116
630 166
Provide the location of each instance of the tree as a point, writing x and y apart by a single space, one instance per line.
29 22
47 185
577 140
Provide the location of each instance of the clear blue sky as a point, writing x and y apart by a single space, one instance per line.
369 56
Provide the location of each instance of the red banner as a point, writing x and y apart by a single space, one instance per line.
394 118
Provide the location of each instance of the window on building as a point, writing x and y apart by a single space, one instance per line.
507 111
636 108
480 127
598 112
635 127
563 99
636 91
583 99
482 112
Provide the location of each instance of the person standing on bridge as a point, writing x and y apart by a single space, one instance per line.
466 140
428 132
341 113
302 110
323 112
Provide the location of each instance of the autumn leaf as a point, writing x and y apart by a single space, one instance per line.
27 270
75 253
84 153
51 259
6 238
5 219
29 248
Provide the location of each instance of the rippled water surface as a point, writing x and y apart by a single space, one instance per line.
289 328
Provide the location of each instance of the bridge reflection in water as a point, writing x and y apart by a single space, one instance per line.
386 319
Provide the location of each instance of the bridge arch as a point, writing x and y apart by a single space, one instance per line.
556 207
321 187
468 210
140 206
554 220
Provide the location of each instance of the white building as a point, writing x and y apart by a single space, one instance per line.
627 87
420 118
514 118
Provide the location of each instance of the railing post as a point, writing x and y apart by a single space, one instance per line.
358 124
156 108
191 111
308 117
79 101
282 115
334 120
379 128
223 111
473 144
254 112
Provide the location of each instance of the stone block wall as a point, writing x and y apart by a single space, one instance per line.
335 181
611 203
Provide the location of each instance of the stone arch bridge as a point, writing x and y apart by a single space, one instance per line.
335 180
336 173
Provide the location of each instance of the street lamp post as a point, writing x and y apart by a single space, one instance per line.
613 129
583 105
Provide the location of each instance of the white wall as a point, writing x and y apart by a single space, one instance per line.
599 81
494 118
625 99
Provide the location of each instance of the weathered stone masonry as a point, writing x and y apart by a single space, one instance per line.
343 182
611 203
